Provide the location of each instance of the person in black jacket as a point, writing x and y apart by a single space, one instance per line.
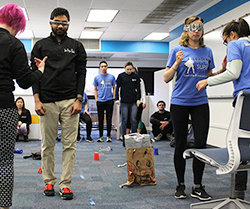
24 119
13 65
58 98
161 123
128 94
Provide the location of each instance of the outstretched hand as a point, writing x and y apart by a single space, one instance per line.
40 63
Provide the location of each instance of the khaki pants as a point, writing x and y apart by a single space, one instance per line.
58 111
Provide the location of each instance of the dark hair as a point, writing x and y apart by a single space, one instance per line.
161 101
128 63
23 108
13 16
240 26
103 62
184 36
135 69
58 12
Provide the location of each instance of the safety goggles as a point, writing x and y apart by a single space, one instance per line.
193 27
59 23
225 40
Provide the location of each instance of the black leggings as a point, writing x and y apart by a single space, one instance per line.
108 106
86 119
200 121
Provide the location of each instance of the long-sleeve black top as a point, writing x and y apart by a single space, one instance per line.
65 69
13 65
25 117
129 87
157 117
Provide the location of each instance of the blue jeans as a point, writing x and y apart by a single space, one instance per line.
131 110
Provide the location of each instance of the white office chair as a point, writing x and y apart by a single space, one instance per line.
229 159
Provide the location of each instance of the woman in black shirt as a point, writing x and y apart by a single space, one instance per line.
24 119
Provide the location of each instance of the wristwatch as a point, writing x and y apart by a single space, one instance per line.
80 99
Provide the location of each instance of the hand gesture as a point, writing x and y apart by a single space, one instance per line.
201 85
40 63
179 56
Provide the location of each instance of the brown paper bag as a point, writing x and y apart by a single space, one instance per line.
140 167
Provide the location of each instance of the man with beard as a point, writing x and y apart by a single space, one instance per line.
58 97
161 123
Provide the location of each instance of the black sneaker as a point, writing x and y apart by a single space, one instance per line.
66 194
101 139
25 138
89 139
49 190
78 139
200 193
179 192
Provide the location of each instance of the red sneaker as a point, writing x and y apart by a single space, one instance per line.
49 190
66 193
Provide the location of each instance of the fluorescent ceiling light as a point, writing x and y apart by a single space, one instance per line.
156 36
101 15
91 34
26 34
25 13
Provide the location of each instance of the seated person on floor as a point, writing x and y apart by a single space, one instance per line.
24 120
161 123
85 117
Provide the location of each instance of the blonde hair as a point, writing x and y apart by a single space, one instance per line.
184 36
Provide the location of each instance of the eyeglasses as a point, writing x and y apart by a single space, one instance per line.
60 23
225 40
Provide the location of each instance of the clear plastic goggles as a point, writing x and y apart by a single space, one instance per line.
60 23
193 27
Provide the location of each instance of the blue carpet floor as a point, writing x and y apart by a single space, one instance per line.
101 179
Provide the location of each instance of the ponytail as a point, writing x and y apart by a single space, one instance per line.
240 26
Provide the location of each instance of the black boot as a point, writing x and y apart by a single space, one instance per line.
25 138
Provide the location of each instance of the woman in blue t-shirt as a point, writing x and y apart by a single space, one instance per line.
191 61
237 35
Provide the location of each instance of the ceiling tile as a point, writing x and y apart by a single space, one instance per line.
40 4
141 5
20 3
145 27
112 36
75 4
130 16
115 27
108 4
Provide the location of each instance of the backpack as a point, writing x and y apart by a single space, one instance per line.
35 155
143 130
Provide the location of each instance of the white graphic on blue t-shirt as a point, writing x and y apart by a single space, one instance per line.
103 83
190 64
